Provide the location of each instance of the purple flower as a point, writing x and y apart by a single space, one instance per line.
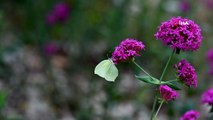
60 13
168 93
51 19
51 49
186 73
208 3
190 115
180 34
126 50
207 97
185 6
210 60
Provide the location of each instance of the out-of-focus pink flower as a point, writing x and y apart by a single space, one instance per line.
51 19
51 49
210 60
207 97
59 14
61 11
185 6
190 115
208 3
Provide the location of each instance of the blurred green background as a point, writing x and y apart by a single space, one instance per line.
46 67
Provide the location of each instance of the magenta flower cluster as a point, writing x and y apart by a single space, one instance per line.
207 97
208 4
185 6
186 73
190 115
51 49
167 93
60 13
126 50
180 34
210 60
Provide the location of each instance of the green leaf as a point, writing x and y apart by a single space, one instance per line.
148 79
2 99
174 86
107 70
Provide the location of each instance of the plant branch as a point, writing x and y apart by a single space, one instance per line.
159 108
142 69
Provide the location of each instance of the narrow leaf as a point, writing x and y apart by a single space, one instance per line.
148 79
174 86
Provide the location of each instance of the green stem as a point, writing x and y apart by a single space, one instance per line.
142 69
167 64
162 75
159 108
153 107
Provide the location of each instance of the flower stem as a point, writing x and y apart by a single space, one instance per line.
153 107
167 64
159 108
142 69
162 75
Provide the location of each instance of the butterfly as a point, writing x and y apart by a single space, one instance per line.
107 70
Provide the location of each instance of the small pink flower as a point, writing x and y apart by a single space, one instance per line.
185 6
186 73
168 93
210 60
126 50
51 49
61 11
190 115
207 97
59 14
51 19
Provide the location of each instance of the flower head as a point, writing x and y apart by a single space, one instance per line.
180 33
126 50
51 49
168 93
60 13
208 3
210 55
51 19
210 60
207 97
190 115
186 73
184 6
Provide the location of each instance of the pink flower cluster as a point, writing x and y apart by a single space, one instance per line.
168 93
210 60
180 34
207 97
185 6
126 50
51 49
186 73
60 13
190 115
